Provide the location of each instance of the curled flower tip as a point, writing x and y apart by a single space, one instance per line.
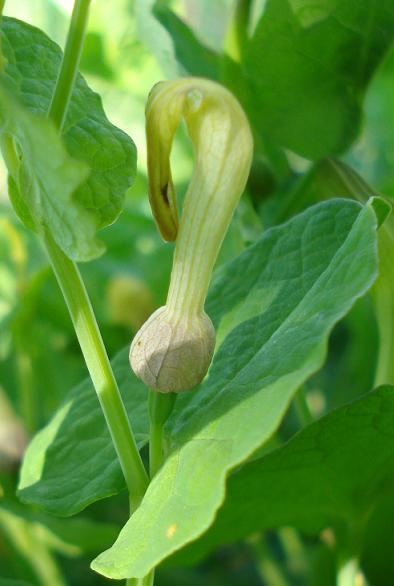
173 349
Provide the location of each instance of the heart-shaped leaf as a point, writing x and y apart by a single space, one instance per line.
278 302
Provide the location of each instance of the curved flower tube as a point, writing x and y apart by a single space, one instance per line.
173 349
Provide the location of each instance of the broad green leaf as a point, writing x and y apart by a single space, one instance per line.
335 471
71 462
33 62
274 307
309 64
330 178
43 178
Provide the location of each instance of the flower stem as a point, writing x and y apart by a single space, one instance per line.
160 407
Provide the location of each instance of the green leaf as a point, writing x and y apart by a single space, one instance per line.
156 38
71 462
309 64
334 471
43 178
193 57
33 62
277 303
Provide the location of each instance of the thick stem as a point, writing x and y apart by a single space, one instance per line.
100 370
156 455
76 296
77 299
160 408
2 4
69 67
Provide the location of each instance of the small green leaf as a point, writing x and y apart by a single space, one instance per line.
43 178
309 65
33 62
334 471
71 462
309 272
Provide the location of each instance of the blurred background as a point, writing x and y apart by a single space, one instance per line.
39 355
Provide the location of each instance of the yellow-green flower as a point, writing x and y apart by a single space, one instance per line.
173 349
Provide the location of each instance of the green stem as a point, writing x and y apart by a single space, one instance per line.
69 67
77 298
99 367
160 407
156 455
301 406
2 4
